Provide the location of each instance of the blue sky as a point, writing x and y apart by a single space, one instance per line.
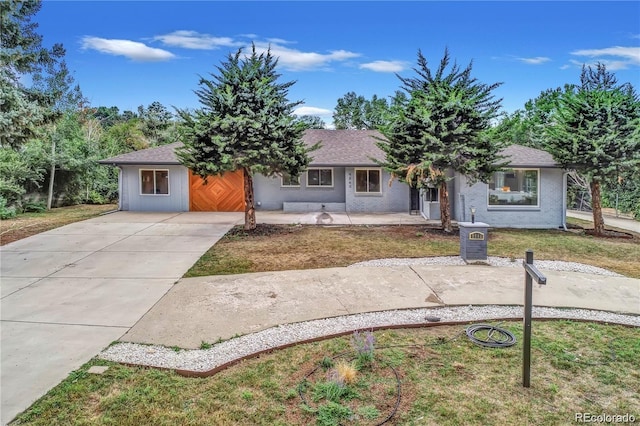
133 53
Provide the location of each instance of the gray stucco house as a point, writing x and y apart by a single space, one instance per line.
343 176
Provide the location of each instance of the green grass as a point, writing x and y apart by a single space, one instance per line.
446 380
277 248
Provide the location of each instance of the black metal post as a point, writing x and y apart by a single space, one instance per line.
526 344
530 272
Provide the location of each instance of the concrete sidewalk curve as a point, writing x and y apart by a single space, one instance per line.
210 308
617 222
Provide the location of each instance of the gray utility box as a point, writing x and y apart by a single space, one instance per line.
473 241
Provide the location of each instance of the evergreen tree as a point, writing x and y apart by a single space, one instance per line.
526 126
355 112
310 121
22 109
245 122
157 121
595 129
442 127
349 112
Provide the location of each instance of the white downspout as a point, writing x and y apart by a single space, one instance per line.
119 188
564 200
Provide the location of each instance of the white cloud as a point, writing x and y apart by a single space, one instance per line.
130 49
565 66
385 66
195 40
296 60
535 61
278 40
622 57
611 65
309 110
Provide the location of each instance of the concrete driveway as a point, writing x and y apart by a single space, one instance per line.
69 292
617 222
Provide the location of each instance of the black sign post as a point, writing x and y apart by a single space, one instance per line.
530 273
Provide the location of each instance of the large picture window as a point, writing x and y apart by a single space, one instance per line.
368 181
154 182
515 187
320 177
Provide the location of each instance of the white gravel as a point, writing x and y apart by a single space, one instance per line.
551 265
200 360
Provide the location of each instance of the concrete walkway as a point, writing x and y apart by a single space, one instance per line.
69 292
340 218
617 222
210 308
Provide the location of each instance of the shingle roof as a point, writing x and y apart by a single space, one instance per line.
338 148
344 147
164 154
522 156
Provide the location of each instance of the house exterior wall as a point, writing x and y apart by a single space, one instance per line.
271 194
340 197
176 201
547 215
394 198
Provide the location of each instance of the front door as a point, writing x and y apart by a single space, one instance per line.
415 200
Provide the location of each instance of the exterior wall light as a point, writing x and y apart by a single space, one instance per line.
473 214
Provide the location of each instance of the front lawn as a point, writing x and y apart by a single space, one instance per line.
577 367
282 247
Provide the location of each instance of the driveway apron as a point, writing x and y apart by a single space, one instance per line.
69 292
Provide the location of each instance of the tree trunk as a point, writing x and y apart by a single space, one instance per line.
596 207
52 175
445 215
249 207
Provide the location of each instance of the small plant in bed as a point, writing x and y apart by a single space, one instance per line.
354 387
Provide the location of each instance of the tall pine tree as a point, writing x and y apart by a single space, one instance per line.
595 129
245 122
23 110
442 128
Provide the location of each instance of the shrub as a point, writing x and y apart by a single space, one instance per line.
30 205
5 211
364 345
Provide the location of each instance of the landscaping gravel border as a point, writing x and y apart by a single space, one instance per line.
226 352
551 265
201 360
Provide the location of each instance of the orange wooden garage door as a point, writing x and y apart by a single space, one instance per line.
220 194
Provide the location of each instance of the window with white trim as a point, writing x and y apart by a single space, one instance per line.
320 177
368 181
515 187
288 180
154 182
